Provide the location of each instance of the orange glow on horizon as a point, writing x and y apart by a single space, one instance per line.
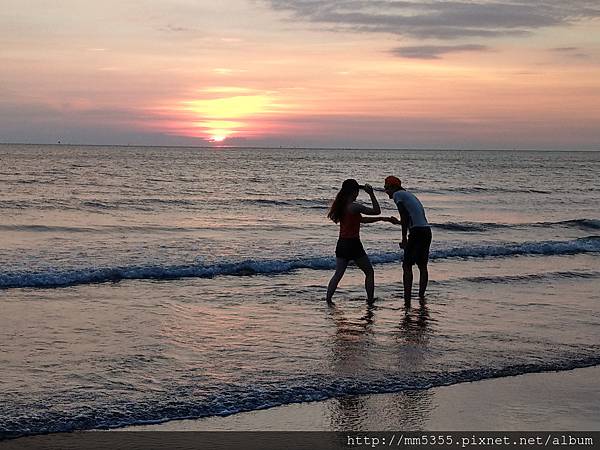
247 74
217 119
445 97
217 138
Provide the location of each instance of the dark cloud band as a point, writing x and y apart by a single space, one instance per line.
435 51
441 19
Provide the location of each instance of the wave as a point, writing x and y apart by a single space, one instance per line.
147 204
463 227
589 244
236 398
582 224
480 189
494 190
469 226
501 279
142 204
46 228
586 224
73 277
108 229
36 204
88 275
305 203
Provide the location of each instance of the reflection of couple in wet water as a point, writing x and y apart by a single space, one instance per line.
346 211
357 351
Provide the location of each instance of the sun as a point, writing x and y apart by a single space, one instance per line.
217 138
225 114
222 117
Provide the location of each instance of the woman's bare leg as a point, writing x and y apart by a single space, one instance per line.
340 268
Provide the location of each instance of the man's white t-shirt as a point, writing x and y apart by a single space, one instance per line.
416 212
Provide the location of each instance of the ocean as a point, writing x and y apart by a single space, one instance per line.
144 284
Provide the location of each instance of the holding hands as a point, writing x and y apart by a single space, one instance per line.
376 210
403 243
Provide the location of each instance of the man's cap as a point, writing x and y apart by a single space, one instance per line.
392 181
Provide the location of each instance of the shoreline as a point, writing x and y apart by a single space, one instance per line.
567 400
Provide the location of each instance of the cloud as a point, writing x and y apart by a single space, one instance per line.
564 49
440 19
435 51
574 52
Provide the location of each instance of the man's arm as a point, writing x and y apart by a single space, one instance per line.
404 220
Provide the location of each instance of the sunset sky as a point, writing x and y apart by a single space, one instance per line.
319 73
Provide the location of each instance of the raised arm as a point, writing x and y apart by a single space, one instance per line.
374 210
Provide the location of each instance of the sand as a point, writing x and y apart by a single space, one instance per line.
567 400
553 401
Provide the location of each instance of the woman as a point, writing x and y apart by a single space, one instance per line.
348 213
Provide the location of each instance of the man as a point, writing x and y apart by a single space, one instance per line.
416 246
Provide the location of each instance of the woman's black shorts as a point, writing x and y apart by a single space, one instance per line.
417 248
349 248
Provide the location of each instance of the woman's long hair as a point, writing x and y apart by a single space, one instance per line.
349 189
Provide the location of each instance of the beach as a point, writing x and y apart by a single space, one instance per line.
297 216
555 402
559 401
142 285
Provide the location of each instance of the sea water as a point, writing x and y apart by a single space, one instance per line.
139 285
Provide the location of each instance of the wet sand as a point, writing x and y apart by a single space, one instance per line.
568 400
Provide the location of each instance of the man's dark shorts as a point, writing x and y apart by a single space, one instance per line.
417 248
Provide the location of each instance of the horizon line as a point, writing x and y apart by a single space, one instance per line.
282 147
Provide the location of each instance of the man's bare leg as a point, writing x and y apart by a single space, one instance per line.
408 281
423 279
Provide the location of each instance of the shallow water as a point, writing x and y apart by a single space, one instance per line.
146 284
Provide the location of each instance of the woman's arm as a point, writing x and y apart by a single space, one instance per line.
390 219
373 210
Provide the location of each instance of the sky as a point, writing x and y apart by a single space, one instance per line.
483 74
